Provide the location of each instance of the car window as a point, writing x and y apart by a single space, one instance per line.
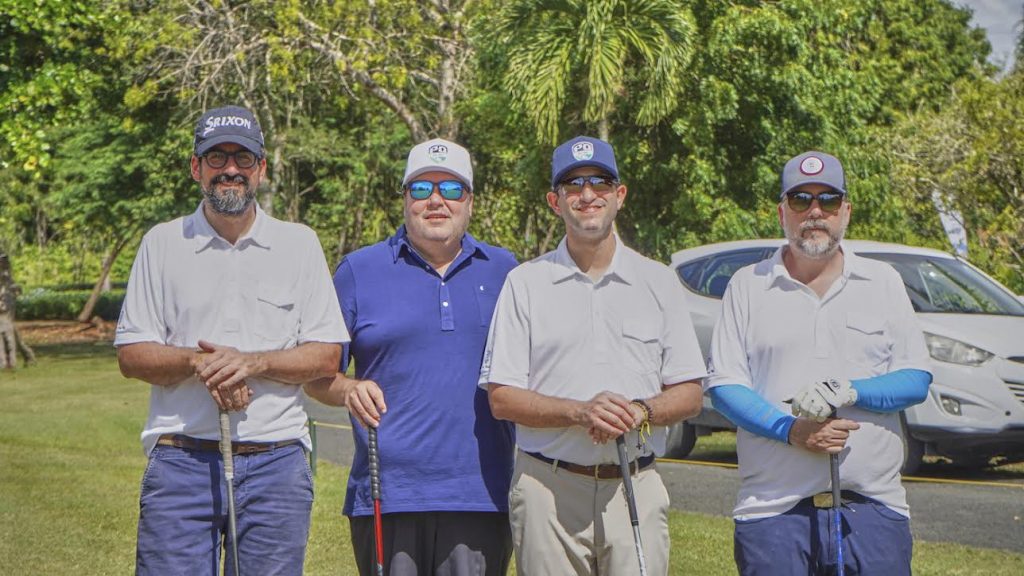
945 285
710 275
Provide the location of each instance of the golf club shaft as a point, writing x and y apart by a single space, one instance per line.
229 479
627 483
378 523
833 460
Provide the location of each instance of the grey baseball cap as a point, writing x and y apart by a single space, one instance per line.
813 168
232 124
439 155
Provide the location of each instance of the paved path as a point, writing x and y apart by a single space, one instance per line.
974 515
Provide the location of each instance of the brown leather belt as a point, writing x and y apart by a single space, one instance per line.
237 448
599 471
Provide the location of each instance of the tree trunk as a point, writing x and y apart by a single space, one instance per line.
602 129
108 261
10 341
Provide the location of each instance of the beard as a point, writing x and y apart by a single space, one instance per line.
230 203
817 248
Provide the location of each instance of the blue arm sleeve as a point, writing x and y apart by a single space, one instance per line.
748 410
892 392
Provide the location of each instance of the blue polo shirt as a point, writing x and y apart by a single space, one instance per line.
421 338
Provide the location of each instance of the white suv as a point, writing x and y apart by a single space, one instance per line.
973 325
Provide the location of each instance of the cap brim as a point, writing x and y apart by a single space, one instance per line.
247 143
819 182
417 173
582 164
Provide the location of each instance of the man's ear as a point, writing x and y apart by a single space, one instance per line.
194 164
552 198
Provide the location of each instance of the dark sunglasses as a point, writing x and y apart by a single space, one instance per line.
449 189
219 158
599 184
801 201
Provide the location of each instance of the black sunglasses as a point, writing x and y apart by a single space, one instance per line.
449 189
801 201
219 158
599 184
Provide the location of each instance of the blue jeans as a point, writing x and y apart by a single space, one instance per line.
183 512
876 540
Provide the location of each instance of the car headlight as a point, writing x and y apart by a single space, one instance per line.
949 350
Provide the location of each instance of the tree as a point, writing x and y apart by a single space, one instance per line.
971 154
561 52
410 56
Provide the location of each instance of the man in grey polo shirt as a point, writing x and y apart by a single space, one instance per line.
589 342
227 308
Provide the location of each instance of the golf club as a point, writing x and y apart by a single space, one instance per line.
837 524
627 483
378 523
229 479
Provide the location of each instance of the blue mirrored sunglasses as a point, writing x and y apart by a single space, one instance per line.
449 189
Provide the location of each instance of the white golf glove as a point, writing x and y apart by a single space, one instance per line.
818 400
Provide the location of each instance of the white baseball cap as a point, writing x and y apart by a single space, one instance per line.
439 155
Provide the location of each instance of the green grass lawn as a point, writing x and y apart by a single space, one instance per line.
71 463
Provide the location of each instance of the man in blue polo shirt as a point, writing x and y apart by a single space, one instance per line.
418 307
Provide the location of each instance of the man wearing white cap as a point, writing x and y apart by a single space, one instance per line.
418 306
834 334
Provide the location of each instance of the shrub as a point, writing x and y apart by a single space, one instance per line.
43 304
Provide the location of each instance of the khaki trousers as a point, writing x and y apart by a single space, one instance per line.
565 523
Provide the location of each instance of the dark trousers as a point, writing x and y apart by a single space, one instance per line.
436 544
876 540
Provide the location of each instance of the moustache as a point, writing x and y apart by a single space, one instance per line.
813 225
228 178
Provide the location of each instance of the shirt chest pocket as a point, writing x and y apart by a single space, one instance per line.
641 346
275 318
867 342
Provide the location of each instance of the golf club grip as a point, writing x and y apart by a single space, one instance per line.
627 479
371 434
225 444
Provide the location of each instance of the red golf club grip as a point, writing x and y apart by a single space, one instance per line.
378 528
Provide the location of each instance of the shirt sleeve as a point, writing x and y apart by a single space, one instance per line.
728 353
909 349
682 360
345 288
507 354
320 319
142 318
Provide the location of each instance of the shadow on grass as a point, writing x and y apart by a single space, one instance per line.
74 350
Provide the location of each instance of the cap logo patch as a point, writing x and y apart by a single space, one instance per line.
438 152
218 121
812 165
583 150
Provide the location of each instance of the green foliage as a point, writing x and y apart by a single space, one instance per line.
43 304
704 101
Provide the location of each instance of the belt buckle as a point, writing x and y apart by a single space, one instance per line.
822 500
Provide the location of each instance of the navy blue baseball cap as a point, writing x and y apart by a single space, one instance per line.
232 124
582 151
813 168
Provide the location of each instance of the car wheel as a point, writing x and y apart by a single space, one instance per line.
681 439
913 451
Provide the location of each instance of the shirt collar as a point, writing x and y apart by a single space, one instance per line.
621 267
853 266
201 231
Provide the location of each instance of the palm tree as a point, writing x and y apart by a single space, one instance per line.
589 46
